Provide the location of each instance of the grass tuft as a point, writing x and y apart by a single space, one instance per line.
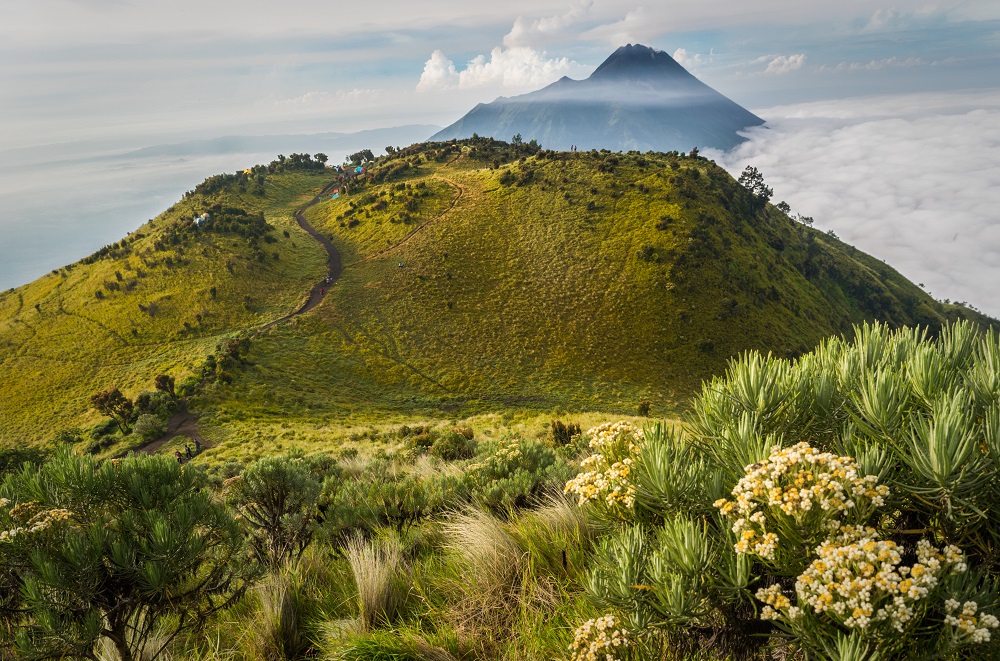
379 569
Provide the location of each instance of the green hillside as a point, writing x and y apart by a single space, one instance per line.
476 276
158 301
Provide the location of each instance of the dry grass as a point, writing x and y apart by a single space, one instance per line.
379 570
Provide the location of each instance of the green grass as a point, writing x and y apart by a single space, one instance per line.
520 296
562 281
73 344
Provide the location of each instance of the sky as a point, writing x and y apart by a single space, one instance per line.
882 117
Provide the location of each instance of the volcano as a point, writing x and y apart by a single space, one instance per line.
639 98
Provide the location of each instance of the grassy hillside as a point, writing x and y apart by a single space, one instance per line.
158 301
474 280
477 276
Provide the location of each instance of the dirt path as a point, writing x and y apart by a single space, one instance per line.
182 423
185 423
333 263
386 251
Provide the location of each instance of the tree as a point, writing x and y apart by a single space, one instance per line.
321 157
516 140
165 383
119 550
753 181
361 157
114 404
276 498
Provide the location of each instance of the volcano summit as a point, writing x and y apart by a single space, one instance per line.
639 98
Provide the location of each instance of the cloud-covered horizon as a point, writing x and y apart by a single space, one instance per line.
913 180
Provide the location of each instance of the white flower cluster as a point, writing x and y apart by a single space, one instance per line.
799 482
595 640
975 628
857 580
33 517
605 473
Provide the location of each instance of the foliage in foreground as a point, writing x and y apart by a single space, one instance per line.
839 504
132 551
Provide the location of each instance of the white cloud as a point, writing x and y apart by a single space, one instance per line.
913 180
638 26
519 68
439 73
691 60
541 31
785 63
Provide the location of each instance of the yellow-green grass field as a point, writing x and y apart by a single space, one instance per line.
590 290
59 343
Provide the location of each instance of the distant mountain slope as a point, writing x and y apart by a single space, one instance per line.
158 301
638 99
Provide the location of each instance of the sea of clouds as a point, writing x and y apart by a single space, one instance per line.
913 180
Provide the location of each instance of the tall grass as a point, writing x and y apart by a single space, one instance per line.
380 574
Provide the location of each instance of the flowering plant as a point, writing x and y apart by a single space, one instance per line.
798 496
598 640
604 476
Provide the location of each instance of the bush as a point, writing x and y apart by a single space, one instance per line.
113 551
277 499
157 403
149 426
452 446
845 497
512 473
562 433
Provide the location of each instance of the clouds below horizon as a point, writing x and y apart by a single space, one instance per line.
919 189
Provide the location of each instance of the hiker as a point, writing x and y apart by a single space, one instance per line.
322 292
197 446
187 451
180 458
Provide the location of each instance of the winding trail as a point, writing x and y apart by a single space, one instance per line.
333 263
185 423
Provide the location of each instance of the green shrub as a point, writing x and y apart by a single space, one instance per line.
120 551
277 500
841 504
512 473
148 426
452 446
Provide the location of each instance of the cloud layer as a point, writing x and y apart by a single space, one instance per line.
913 180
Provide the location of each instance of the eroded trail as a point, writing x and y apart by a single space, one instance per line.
185 423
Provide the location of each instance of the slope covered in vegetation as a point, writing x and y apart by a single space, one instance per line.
158 301
477 276
490 275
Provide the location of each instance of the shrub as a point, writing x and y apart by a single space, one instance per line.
277 499
113 551
643 408
512 473
452 446
149 426
846 495
562 433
